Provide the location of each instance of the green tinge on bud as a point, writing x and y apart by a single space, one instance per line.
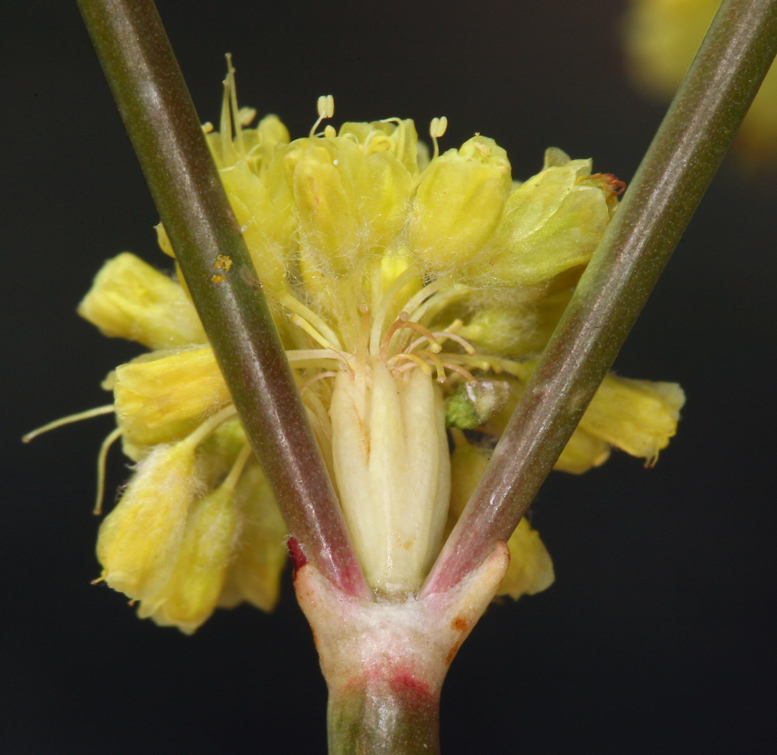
459 202
500 330
139 541
192 593
163 396
130 299
473 404
551 223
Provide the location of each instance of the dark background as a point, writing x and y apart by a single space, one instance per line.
658 634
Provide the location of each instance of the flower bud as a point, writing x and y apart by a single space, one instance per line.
263 208
163 396
531 568
473 404
130 299
637 416
260 552
139 540
551 223
190 596
459 202
327 215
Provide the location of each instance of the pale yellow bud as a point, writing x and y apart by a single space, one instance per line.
551 223
327 213
637 416
190 596
260 553
382 186
164 395
139 540
459 202
130 299
531 568
263 208
581 453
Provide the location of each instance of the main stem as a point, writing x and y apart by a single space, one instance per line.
679 165
162 123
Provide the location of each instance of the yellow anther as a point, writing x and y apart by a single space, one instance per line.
326 109
437 129
326 106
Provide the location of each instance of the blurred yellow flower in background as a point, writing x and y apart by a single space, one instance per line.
662 37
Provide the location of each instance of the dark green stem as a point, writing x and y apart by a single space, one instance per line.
681 161
162 123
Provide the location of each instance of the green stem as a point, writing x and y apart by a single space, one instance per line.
384 717
162 123
683 158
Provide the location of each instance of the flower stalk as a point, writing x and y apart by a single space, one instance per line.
669 184
160 118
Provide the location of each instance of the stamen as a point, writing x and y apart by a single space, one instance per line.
312 357
237 468
382 309
466 345
88 414
310 381
301 322
427 335
101 458
207 427
432 305
317 322
396 325
225 126
437 129
468 376
236 119
440 365
413 360
413 304
326 109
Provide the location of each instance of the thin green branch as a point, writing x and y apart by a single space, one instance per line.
681 161
162 123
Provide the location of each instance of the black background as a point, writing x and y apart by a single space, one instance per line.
658 634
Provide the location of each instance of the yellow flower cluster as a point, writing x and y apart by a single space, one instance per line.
412 295
662 37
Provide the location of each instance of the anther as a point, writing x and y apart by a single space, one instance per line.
326 109
437 129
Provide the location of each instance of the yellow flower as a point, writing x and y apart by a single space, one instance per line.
662 37
412 296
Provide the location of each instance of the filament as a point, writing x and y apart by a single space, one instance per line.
88 414
101 458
